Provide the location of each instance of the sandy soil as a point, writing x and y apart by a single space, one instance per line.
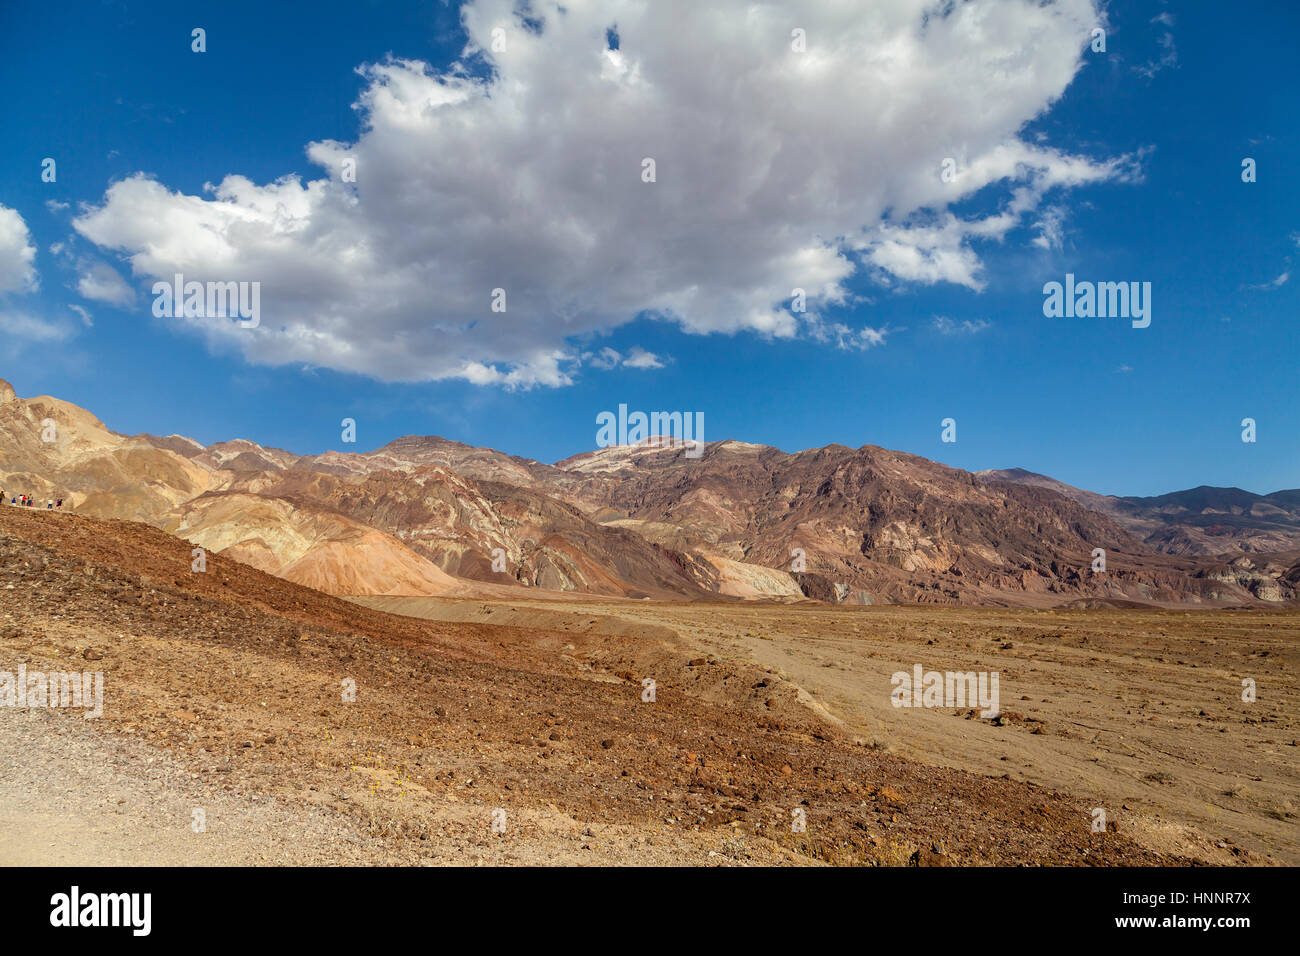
1135 711
66 799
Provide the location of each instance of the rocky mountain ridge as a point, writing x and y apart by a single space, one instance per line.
426 515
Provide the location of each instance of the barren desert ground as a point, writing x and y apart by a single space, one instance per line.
311 729
1137 711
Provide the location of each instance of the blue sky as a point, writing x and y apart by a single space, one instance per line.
1180 96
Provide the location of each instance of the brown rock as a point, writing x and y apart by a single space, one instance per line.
925 857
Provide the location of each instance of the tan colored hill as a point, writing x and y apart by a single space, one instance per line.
177 484
53 449
306 544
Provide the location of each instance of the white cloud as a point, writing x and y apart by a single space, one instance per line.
22 332
636 357
24 327
17 253
775 170
847 338
1168 50
86 319
640 358
946 326
102 283
606 358
1276 283
937 247
926 254
1051 228
861 339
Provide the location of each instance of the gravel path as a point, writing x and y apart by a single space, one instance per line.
69 796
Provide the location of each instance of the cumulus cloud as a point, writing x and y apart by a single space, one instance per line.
21 329
17 253
101 282
934 247
522 169
640 358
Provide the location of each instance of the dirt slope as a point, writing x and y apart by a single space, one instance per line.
239 676
1139 709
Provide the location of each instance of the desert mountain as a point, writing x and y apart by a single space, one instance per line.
53 449
877 525
463 526
424 515
1198 521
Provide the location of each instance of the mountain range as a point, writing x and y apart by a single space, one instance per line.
423 515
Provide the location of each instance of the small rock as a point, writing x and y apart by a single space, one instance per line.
927 858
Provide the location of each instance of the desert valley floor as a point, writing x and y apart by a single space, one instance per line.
1140 709
222 693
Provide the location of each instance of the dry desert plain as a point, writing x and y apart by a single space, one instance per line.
1136 711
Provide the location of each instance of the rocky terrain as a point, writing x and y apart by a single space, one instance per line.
394 739
427 516
1198 521
877 526
1139 709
